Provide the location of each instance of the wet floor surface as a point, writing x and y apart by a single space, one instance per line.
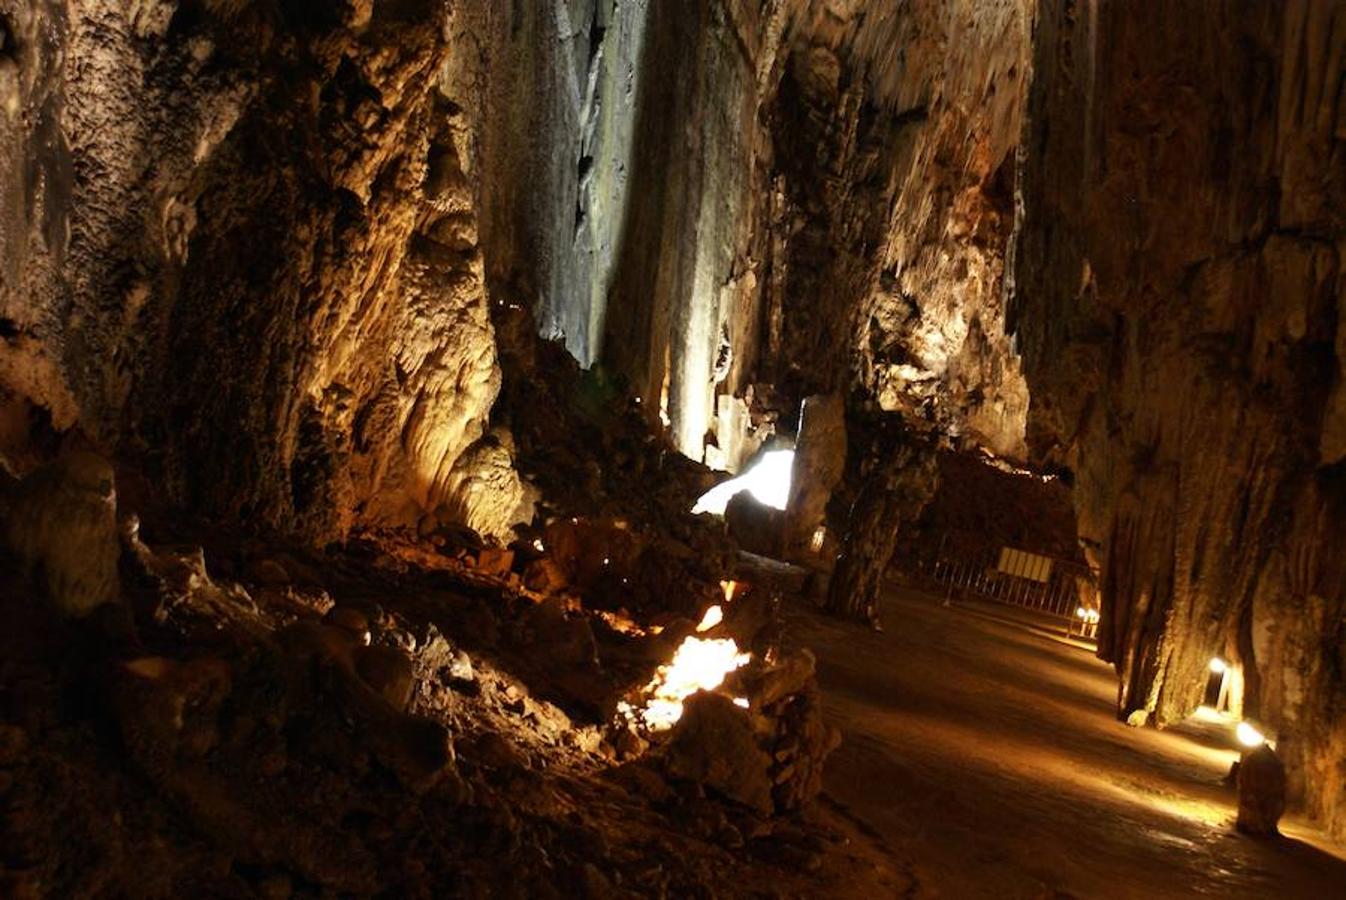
986 754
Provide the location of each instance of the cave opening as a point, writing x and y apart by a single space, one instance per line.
616 449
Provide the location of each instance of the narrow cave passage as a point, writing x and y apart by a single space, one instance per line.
380 381
984 748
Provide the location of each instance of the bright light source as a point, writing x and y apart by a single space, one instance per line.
729 588
699 665
606 560
1088 615
1218 665
741 701
768 481
819 536
538 545
1249 736
714 616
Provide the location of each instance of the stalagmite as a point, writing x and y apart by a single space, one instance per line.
1261 792
819 463
899 481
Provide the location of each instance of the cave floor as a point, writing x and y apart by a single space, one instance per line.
985 753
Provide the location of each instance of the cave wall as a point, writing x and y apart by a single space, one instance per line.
550 93
682 316
1179 310
614 150
239 248
251 246
901 200
718 201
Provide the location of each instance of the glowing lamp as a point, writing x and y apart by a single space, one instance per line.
1218 665
1249 736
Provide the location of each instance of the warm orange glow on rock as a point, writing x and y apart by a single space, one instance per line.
714 616
699 664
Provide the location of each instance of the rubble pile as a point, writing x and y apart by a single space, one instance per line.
244 717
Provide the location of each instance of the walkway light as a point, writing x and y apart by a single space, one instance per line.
1249 736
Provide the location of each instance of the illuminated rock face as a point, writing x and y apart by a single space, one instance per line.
896 138
252 251
817 179
1179 308
551 91
245 242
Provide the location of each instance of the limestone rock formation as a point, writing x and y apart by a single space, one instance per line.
484 491
897 482
825 177
714 744
819 463
244 249
1179 305
756 527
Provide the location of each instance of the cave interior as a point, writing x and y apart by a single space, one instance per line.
713 448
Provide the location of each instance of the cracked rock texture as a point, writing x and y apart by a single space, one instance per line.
1180 307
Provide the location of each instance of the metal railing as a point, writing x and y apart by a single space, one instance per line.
1068 588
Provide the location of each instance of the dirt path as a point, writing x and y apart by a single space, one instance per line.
987 754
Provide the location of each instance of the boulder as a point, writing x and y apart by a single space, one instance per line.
60 523
590 551
561 641
756 526
792 673
496 561
389 671
713 744
544 576
1261 787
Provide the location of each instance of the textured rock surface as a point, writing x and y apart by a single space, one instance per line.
820 176
240 238
896 480
60 524
1179 304
552 89
819 463
895 256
